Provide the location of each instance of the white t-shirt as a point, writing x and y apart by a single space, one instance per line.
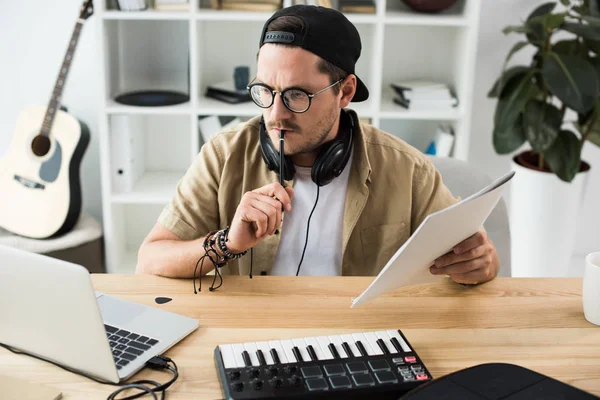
323 254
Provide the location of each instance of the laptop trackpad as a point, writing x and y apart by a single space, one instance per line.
118 312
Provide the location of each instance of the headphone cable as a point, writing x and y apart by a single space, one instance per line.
307 229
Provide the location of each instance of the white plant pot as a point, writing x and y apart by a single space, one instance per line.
543 221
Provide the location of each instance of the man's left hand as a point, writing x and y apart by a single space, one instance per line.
472 261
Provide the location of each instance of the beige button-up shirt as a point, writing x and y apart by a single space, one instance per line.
392 187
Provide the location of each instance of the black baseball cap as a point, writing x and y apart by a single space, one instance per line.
327 33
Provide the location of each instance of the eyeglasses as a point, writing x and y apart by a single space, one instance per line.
296 100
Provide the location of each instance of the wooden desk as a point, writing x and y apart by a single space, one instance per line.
535 323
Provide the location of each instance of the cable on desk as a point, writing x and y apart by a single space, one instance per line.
157 362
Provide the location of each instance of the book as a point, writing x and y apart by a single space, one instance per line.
18 389
227 92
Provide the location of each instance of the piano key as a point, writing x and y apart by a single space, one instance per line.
324 343
361 349
275 356
396 345
382 346
297 354
312 341
238 349
266 351
403 344
372 339
361 337
246 358
385 337
301 345
251 349
276 345
287 346
227 355
261 358
311 353
333 350
337 340
347 349
352 343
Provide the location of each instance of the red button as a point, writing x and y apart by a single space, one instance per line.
410 359
422 377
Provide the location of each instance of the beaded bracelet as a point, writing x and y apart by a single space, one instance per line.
221 239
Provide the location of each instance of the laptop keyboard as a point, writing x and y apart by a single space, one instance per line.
127 346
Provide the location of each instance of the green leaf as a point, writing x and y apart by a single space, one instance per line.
505 78
595 61
536 32
594 21
594 137
564 156
541 124
509 138
572 79
536 22
594 7
565 2
565 47
543 9
583 30
586 119
554 21
593 45
517 46
515 29
510 105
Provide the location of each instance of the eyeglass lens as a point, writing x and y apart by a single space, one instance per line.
295 100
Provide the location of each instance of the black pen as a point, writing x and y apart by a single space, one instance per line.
281 155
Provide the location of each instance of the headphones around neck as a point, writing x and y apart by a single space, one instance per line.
330 162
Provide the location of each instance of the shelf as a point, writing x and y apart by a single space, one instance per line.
151 188
112 107
227 15
411 18
146 15
391 110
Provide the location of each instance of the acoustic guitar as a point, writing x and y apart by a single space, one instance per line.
40 191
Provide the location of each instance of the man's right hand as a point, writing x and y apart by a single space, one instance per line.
259 214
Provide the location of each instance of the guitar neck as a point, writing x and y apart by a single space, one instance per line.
60 80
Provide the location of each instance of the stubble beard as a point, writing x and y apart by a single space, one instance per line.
323 128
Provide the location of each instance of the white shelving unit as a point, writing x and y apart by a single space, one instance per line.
146 150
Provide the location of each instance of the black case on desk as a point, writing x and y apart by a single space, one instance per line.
496 381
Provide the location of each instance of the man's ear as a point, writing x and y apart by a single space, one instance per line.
348 88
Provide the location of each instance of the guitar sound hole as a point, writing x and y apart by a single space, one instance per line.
40 145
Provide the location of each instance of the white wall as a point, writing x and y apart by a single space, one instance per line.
492 49
35 35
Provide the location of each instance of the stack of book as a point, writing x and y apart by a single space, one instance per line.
424 95
357 6
171 5
132 5
248 5
227 92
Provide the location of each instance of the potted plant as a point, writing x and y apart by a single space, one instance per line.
545 112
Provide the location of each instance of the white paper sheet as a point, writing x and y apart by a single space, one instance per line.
438 234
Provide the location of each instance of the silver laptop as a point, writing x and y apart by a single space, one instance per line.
49 308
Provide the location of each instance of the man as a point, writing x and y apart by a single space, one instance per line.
363 191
